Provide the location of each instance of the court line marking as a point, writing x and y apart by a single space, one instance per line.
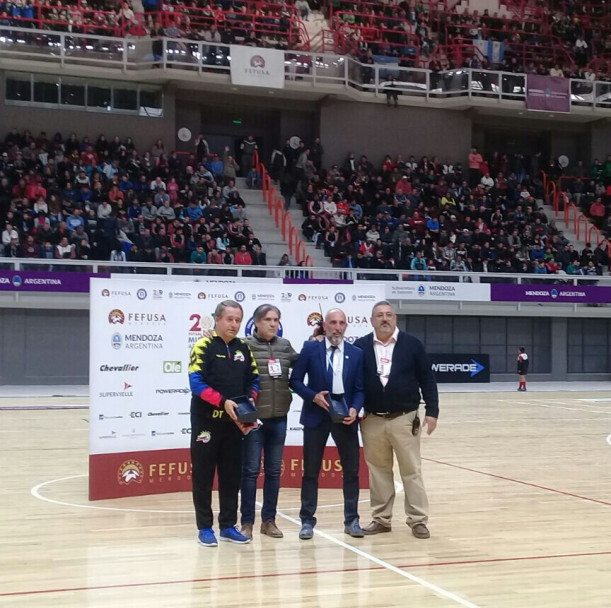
519 481
438 591
300 573
35 492
530 418
558 407
24 408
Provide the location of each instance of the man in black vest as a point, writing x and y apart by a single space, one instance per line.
397 371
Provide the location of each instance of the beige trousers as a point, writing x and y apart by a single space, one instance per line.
382 437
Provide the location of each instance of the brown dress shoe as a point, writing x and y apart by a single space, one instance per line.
246 530
270 528
375 527
420 531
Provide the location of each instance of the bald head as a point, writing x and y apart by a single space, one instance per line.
335 325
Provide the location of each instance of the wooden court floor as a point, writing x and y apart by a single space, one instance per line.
520 491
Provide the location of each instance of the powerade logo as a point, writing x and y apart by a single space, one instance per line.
472 368
250 328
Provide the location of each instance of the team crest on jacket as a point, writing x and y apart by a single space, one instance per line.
238 356
204 437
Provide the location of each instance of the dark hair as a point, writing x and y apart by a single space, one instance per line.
262 310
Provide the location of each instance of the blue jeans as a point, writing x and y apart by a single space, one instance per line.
269 440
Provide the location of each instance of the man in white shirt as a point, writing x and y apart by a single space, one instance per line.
397 374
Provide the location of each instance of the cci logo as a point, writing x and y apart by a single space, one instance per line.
240 296
141 294
136 415
172 367
130 471
340 297
116 316
116 341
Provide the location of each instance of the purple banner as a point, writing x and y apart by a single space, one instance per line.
581 294
548 93
31 280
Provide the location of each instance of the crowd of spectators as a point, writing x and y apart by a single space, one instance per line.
248 22
590 190
103 199
558 39
552 38
426 214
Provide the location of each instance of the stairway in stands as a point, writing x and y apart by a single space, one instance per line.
265 229
316 25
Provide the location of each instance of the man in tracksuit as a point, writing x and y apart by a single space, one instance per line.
274 357
221 369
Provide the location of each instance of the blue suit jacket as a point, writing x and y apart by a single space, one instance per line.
313 362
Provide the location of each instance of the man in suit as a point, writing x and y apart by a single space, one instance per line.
397 371
335 370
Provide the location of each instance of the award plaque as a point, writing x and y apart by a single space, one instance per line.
338 408
247 412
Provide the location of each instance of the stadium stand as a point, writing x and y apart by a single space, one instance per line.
103 200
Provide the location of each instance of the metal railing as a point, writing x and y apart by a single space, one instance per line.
179 56
181 271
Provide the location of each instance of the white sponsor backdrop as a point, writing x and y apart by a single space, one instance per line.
257 67
454 292
141 335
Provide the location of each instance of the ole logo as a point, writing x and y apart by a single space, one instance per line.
130 471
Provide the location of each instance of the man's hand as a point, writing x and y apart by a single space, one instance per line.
320 401
430 423
351 416
231 407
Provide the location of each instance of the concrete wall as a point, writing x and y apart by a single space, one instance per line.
44 347
601 139
377 130
52 346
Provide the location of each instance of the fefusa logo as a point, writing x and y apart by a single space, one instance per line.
130 471
116 316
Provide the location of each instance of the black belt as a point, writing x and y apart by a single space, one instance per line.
390 415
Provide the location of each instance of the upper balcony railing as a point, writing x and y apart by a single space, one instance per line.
177 57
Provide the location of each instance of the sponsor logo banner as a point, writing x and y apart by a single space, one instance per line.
454 292
140 350
550 293
548 93
462 368
138 473
29 280
257 67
